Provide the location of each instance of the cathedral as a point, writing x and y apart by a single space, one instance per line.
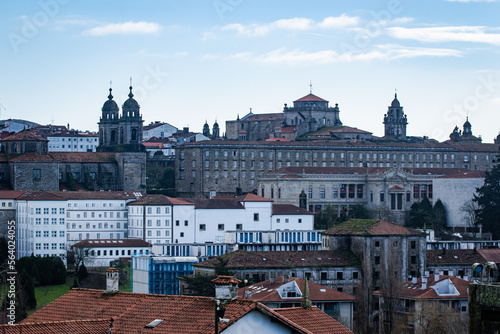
120 133
119 164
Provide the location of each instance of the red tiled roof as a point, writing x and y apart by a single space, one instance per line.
436 257
30 156
152 145
310 97
252 198
284 259
159 200
289 209
24 135
415 291
226 280
467 174
370 227
314 320
86 326
133 311
41 196
396 188
265 291
288 129
100 195
490 255
10 194
97 243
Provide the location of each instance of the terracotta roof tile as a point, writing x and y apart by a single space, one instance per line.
284 259
415 291
310 97
265 291
29 157
490 255
314 320
264 117
10 194
133 311
453 256
95 243
226 280
370 227
289 209
83 156
215 203
86 326
159 200
278 139
24 135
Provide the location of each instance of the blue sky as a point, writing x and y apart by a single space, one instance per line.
192 61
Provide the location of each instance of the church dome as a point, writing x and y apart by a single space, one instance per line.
467 123
395 102
110 105
130 107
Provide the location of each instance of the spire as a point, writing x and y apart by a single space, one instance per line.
395 93
130 94
310 87
110 96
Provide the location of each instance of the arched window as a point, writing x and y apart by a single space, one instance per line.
134 134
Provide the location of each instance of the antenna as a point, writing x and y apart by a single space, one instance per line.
110 83
52 119
130 81
310 87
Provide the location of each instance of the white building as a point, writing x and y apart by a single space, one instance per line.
97 214
101 252
72 141
41 225
158 129
454 191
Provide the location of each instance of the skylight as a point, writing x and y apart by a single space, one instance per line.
154 323
322 290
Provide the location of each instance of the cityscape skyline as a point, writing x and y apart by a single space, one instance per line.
198 61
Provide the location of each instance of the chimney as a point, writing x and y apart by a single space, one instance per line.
436 277
213 193
306 302
112 279
226 287
424 280
414 280
185 130
424 286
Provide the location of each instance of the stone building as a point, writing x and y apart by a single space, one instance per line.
230 166
388 253
27 163
395 121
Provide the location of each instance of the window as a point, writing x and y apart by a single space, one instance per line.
220 227
45 211
310 193
182 235
377 244
355 275
343 190
382 197
186 223
324 276
54 211
322 193
340 275
256 217
413 260
239 227
37 174
377 259
176 223
413 244
203 227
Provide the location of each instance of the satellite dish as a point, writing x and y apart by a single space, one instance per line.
477 267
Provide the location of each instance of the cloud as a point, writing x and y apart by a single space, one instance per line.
337 22
476 34
127 28
294 24
382 52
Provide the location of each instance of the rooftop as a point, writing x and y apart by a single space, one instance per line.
370 227
314 320
453 256
242 259
289 209
97 243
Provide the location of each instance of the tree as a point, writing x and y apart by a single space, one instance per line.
79 254
436 317
488 200
202 285
382 212
439 221
421 214
27 291
325 219
82 272
469 215
359 212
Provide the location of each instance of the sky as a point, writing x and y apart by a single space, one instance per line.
201 61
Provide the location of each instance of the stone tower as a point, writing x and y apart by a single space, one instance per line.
120 133
206 130
216 131
395 120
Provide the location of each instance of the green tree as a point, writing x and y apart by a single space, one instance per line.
82 272
58 271
325 219
421 214
488 200
439 217
27 291
359 212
